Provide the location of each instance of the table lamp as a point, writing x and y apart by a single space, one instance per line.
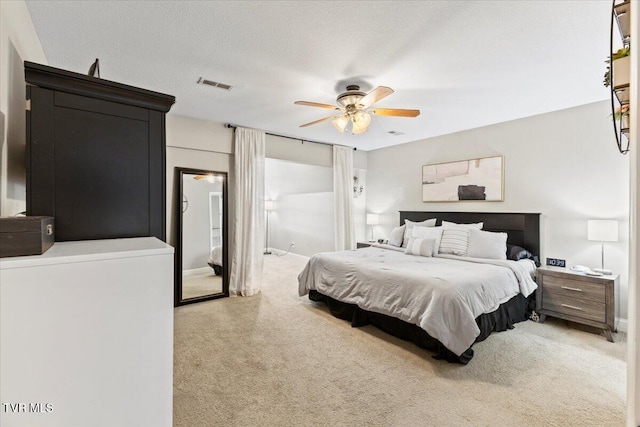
602 230
372 219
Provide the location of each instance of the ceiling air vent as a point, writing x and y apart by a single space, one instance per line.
214 84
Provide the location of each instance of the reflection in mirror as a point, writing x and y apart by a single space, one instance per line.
201 253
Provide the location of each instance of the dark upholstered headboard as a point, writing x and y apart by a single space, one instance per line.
523 228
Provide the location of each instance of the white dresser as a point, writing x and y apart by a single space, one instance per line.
87 335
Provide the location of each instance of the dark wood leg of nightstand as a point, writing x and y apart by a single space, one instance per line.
543 317
607 333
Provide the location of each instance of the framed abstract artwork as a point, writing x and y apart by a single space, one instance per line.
479 179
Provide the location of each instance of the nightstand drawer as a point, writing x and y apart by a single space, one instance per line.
560 302
575 289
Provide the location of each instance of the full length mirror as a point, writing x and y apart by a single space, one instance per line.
201 250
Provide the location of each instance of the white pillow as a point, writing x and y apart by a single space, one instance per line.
397 236
422 247
434 233
455 240
485 244
477 225
410 224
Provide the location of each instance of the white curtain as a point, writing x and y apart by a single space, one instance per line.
247 260
343 197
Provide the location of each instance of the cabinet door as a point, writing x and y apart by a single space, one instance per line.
96 166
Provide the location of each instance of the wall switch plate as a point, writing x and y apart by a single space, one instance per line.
556 262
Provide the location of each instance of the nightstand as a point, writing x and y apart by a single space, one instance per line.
363 244
574 296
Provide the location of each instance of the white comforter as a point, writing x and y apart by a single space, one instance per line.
443 294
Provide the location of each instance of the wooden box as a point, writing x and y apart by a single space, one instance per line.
27 235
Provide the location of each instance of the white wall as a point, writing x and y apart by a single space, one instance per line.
563 165
307 220
298 151
284 177
293 172
18 42
303 213
305 152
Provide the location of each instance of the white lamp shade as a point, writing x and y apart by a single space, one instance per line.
361 122
341 123
602 230
372 219
268 205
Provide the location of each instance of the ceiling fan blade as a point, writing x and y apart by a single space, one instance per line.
375 95
396 112
326 119
316 104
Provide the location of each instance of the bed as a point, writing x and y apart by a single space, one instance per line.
445 302
215 260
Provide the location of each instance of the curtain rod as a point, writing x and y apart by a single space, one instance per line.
230 126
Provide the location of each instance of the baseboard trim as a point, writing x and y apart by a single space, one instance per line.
622 324
281 252
195 271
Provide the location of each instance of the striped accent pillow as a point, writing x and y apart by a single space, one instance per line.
455 240
422 247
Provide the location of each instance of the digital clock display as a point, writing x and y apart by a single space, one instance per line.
555 262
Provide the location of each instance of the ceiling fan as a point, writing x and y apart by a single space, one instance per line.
353 107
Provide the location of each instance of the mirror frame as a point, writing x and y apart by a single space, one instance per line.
180 172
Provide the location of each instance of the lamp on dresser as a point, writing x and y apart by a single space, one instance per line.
372 219
602 230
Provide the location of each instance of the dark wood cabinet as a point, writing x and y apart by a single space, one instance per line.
95 155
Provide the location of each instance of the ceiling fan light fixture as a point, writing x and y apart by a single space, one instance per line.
357 130
354 106
362 117
341 123
361 121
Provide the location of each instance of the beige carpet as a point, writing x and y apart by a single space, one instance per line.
201 284
280 360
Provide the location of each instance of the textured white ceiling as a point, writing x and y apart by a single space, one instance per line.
464 64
